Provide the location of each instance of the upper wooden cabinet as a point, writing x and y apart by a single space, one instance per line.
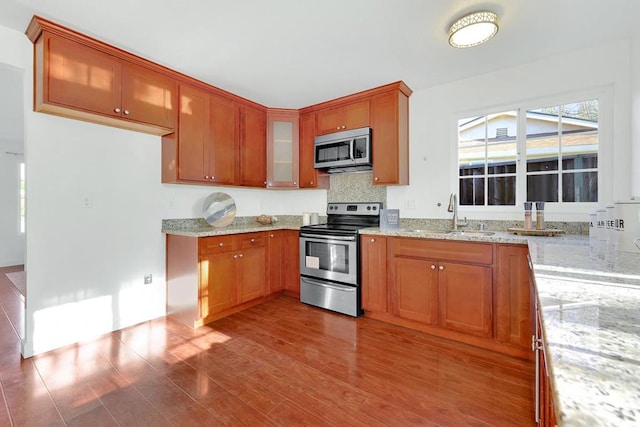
390 124
282 148
386 110
344 117
219 141
79 78
310 177
253 147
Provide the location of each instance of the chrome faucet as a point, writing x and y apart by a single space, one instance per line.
453 207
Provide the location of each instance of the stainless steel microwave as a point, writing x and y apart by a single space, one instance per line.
346 151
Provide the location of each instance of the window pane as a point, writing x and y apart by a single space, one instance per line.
501 158
580 135
472 191
580 187
542 188
543 144
466 170
501 190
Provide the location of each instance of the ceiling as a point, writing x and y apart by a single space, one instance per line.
294 53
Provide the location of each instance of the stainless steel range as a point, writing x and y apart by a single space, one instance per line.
330 257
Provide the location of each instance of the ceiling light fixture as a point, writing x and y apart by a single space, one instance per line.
473 29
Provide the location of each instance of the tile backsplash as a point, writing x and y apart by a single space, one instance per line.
355 187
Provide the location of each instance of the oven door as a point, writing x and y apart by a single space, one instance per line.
329 257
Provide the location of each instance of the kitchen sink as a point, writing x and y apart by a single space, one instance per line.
472 232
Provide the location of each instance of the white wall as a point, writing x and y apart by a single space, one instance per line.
433 115
635 117
12 241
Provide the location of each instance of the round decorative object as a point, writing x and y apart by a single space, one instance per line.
219 209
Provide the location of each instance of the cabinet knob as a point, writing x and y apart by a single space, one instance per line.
373 240
221 244
270 235
235 257
311 183
375 179
338 128
433 267
295 183
212 178
126 112
253 240
344 127
117 109
206 177
240 255
441 268
264 182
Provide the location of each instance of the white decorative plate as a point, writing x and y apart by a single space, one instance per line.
219 209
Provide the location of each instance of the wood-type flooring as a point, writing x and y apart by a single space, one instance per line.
280 363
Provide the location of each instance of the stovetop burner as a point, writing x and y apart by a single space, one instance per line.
347 218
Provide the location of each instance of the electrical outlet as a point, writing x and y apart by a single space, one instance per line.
148 278
86 201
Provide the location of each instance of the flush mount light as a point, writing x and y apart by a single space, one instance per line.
473 29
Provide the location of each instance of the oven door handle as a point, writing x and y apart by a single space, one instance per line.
342 288
352 147
322 237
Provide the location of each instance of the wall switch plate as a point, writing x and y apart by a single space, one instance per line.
148 278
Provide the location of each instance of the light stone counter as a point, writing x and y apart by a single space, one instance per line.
590 298
197 227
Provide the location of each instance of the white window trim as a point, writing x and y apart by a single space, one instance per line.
553 211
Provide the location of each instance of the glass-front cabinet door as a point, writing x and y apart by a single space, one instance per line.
282 148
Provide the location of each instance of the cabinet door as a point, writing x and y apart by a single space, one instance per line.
79 77
222 148
217 283
309 176
514 309
251 273
344 117
291 273
275 261
148 96
374 273
253 147
416 290
465 293
282 149
193 134
390 123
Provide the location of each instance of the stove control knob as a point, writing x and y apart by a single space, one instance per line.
375 207
368 208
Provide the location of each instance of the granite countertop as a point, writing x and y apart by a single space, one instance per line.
590 298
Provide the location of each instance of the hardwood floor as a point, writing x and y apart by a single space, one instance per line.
280 363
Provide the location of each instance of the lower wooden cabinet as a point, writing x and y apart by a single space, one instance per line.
275 245
291 267
545 405
211 277
472 292
373 259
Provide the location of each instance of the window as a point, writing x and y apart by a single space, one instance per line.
22 204
559 149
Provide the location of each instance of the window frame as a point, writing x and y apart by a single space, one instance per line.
561 210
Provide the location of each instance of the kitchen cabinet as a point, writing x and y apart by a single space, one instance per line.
465 297
415 294
390 148
373 258
291 269
253 147
211 277
431 288
282 148
544 404
76 80
219 141
309 176
352 115
514 307
275 246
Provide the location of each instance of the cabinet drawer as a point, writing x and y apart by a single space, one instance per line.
254 240
480 253
215 244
